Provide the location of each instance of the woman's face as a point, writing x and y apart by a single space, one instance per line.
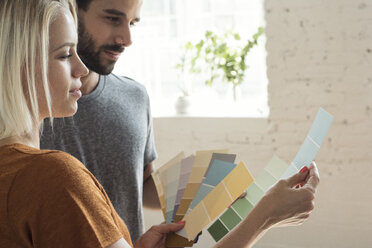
64 67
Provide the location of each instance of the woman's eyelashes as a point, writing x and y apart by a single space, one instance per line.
66 56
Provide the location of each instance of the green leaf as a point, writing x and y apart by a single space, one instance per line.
237 36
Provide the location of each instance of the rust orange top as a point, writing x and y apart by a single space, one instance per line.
49 199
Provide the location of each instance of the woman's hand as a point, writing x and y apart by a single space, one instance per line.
291 201
287 203
156 235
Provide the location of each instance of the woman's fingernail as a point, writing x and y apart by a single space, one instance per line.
304 169
181 222
297 186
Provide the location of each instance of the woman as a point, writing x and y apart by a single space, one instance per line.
48 198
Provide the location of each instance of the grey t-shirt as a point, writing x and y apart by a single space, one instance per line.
111 134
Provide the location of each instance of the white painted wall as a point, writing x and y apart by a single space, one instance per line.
319 54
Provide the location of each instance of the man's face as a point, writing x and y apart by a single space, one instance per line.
104 32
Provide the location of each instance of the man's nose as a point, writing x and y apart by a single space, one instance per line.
124 38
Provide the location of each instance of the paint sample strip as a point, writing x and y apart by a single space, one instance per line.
174 240
223 157
201 164
172 176
160 190
159 179
216 173
186 167
241 208
229 189
304 157
313 140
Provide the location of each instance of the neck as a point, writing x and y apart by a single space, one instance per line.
89 83
31 139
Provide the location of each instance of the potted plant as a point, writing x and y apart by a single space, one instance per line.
187 67
221 56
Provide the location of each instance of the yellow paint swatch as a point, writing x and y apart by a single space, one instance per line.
160 191
217 201
200 166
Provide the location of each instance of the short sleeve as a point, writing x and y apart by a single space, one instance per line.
150 151
56 202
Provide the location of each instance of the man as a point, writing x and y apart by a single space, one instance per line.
111 132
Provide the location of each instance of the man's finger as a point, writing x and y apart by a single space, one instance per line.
171 227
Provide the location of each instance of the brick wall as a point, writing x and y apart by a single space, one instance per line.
319 54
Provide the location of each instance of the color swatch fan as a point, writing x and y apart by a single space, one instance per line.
200 188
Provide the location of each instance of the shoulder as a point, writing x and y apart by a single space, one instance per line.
126 83
54 176
58 198
59 161
54 169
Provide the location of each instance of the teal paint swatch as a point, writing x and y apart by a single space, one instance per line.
223 157
199 196
320 126
216 173
306 154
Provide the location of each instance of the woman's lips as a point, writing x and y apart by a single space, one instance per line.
76 93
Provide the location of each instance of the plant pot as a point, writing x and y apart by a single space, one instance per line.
183 104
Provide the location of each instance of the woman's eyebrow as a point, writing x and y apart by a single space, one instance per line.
69 44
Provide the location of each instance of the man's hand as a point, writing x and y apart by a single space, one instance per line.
156 235
150 196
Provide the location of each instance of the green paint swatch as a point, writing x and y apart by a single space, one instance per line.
254 193
242 207
276 167
230 219
217 230
265 180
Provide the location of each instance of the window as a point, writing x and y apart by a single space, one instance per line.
166 25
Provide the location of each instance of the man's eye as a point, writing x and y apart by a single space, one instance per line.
113 19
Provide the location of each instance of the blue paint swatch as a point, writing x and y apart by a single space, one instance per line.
306 154
216 173
320 127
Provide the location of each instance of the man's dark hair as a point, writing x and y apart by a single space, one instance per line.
83 4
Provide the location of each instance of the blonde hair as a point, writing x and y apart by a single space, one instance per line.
24 49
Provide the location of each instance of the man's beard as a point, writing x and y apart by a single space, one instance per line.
90 54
